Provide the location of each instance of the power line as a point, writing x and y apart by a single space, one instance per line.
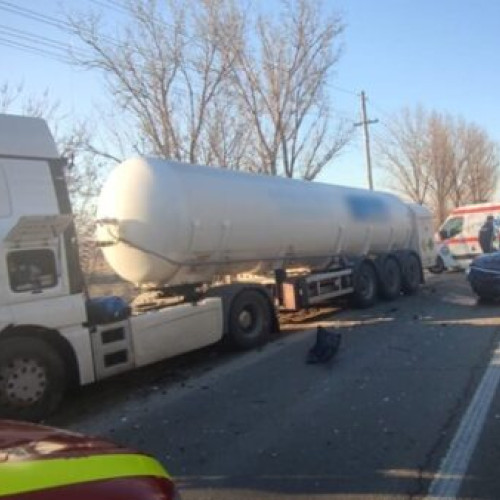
27 37
24 40
343 90
117 4
33 50
31 14
68 27
19 40
47 20
115 7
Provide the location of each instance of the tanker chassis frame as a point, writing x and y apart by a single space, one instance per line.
362 278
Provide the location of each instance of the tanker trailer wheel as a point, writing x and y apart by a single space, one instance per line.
390 279
365 285
250 321
32 378
411 274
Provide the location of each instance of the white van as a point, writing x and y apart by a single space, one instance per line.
457 238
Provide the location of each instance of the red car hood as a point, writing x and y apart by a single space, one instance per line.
43 463
20 441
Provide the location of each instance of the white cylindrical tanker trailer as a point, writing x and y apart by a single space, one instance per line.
180 228
167 223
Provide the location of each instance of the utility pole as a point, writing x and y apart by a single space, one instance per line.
365 122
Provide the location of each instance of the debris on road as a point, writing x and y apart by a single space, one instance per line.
326 346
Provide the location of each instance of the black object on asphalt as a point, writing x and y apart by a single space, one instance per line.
326 346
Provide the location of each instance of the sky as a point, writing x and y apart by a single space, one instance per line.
440 54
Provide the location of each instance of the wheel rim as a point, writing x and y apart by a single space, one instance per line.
245 319
23 381
249 320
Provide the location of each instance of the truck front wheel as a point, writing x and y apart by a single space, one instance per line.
250 320
32 378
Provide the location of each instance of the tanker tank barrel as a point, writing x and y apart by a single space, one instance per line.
167 223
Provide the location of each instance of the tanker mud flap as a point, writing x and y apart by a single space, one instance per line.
249 314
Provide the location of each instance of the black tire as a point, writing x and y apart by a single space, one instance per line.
412 275
483 297
32 379
439 267
365 285
390 279
486 299
250 321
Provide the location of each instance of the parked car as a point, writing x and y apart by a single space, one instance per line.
484 276
40 463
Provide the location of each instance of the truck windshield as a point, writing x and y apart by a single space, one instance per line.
451 227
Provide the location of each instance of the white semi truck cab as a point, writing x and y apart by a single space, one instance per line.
180 230
46 339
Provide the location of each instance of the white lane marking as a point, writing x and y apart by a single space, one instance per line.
448 480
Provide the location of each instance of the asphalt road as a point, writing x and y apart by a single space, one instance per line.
375 423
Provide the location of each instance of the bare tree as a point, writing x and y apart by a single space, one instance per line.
459 193
439 160
281 80
164 71
13 97
188 77
482 163
441 154
228 139
403 151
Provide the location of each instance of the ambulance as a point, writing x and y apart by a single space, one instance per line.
457 238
